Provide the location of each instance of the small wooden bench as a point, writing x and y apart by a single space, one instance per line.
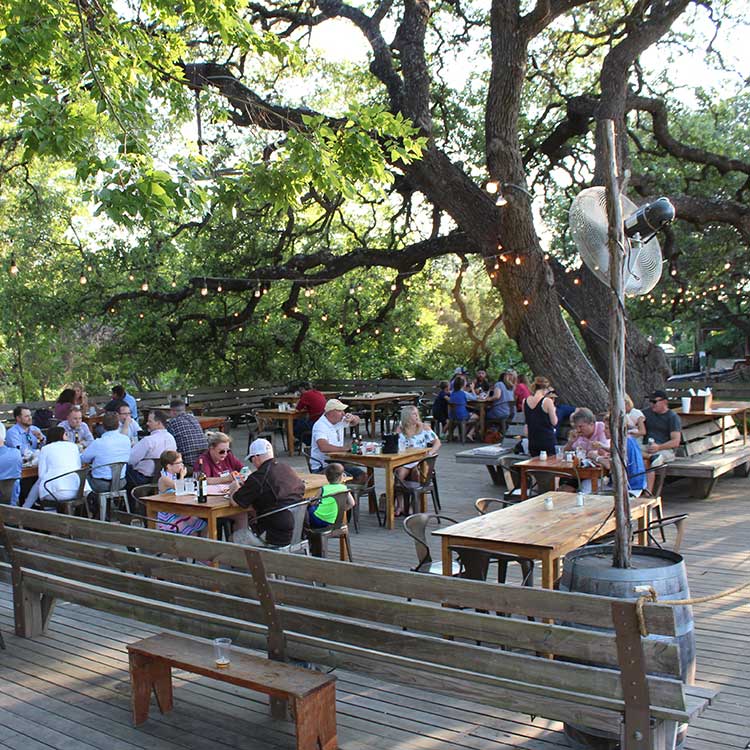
707 454
428 632
312 695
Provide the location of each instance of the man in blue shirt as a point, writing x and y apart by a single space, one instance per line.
10 467
22 435
111 447
76 430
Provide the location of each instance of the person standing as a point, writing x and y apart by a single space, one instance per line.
64 404
541 417
119 394
313 402
187 432
144 456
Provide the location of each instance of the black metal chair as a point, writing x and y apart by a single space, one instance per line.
358 491
67 506
412 490
416 527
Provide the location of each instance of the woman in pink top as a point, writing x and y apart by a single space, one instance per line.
218 463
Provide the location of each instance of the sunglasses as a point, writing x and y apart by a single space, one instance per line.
656 400
222 452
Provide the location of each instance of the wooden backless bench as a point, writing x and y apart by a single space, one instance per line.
311 695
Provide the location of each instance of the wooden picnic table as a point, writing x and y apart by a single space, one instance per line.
286 417
480 406
206 423
217 504
376 400
293 398
386 461
528 529
718 411
491 456
558 466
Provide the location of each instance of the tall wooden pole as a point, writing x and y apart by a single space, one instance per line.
616 243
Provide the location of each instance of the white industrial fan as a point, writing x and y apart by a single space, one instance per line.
588 227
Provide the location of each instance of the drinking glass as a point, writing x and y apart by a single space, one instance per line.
221 652
559 451
179 486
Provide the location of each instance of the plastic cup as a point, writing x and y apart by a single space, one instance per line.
179 486
685 404
542 455
221 652
569 457
559 452
549 504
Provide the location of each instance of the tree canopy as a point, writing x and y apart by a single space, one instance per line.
198 191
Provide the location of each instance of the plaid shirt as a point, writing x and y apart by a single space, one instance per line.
190 438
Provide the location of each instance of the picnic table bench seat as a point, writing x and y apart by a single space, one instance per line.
706 456
429 632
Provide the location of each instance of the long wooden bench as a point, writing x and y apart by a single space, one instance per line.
707 454
399 626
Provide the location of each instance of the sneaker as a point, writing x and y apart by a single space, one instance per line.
657 460
246 537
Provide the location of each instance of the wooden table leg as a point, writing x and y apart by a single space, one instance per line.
373 496
523 483
211 530
642 522
446 553
371 431
145 675
482 418
390 498
594 484
548 571
151 513
290 436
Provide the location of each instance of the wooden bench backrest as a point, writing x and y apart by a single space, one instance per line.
356 620
705 436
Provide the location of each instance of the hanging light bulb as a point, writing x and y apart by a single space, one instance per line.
234 212
257 293
204 292
518 260
492 187
174 282
82 280
501 200
144 286
13 270
220 288
396 329
89 268
393 287
131 277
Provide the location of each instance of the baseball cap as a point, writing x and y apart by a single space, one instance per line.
334 403
259 447
658 394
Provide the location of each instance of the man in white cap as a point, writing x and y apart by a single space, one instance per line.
328 436
271 487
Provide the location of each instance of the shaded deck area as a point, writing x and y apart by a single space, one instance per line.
70 689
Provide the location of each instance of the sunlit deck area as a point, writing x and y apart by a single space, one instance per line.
70 689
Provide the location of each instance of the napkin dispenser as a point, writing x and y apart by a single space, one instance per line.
390 443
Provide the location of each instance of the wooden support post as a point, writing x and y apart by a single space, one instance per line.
315 719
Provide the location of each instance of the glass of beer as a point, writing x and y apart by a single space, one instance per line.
221 652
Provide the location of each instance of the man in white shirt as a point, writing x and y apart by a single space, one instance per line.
76 430
128 426
144 457
328 436
112 447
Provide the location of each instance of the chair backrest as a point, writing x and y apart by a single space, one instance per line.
489 504
6 490
416 527
299 514
660 474
82 473
342 500
145 489
306 454
677 521
117 483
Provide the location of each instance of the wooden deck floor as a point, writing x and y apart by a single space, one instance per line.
70 688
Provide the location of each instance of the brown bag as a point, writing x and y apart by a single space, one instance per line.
492 436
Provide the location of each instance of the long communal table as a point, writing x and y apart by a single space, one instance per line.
286 417
376 400
529 529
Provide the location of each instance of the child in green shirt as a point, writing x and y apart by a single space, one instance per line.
326 511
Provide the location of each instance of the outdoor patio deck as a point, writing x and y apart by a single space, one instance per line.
70 689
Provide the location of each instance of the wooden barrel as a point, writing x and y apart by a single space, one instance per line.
589 570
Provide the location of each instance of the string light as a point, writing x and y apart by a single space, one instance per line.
144 286
583 323
526 303
89 268
257 293
576 281
727 266
393 287
131 277
82 280
501 200
204 291
518 260
397 329
492 187
174 282
13 270
220 288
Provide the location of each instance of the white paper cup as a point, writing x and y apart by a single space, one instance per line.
685 404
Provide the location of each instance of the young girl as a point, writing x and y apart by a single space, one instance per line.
172 467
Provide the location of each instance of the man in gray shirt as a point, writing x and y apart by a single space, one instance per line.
663 432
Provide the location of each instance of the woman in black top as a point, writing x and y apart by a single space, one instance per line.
541 418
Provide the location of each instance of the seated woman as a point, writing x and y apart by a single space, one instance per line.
460 399
635 419
413 433
326 511
172 467
57 457
587 434
64 404
503 407
218 463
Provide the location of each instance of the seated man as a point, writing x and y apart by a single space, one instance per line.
112 447
10 468
76 430
271 487
313 402
187 432
143 464
128 426
663 432
328 437
22 435
119 396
